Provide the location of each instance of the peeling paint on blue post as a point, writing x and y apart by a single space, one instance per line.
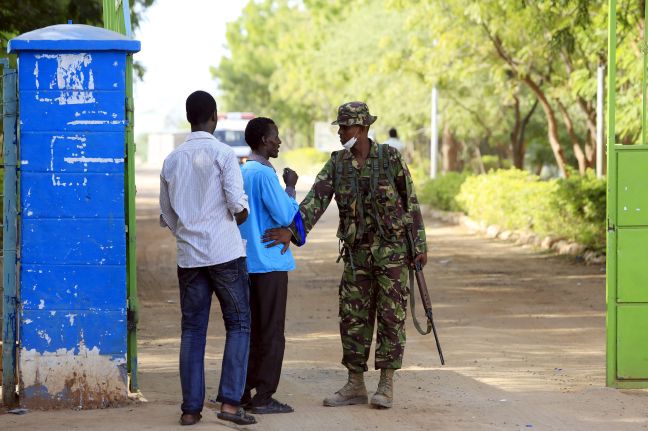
73 319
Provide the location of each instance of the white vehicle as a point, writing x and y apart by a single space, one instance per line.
230 130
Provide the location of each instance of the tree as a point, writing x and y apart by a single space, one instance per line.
495 63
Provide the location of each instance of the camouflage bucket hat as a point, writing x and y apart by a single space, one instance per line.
354 113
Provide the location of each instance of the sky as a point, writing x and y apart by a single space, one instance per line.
181 40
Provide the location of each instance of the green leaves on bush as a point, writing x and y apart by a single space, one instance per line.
580 203
442 191
572 208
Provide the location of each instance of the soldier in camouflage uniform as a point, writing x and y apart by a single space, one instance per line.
377 204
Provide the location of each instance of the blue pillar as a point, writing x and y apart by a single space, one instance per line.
72 278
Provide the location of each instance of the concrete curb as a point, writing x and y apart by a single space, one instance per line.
554 244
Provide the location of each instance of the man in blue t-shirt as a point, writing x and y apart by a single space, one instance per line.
270 206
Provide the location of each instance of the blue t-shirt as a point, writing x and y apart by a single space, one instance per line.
270 206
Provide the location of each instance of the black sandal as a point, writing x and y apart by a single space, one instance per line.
239 418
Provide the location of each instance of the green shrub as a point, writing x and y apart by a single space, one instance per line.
492 163
572 208
441 192
579 204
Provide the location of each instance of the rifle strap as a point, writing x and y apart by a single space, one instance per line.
417 325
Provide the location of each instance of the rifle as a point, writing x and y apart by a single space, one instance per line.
425 297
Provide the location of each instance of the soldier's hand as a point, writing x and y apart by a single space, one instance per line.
421 259
290 177
276 236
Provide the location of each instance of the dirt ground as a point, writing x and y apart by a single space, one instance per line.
522 332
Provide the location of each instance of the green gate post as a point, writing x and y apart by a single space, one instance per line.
116 16
627 236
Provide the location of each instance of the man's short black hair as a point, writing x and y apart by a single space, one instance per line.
200 107
256 129
393 133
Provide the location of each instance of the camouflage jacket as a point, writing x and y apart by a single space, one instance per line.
377 203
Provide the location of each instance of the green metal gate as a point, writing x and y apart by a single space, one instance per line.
627 239
116 16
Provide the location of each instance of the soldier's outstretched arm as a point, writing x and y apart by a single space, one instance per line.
319 197
405 187
311 209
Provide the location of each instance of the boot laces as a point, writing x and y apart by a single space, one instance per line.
384 385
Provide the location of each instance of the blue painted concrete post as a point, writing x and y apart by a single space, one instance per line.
9 302
72 280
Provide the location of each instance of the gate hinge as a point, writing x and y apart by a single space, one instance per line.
131 319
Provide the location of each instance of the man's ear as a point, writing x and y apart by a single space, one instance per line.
215 117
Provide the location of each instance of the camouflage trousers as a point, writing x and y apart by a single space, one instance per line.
373 289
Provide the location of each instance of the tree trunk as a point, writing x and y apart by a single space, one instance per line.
576 145
552 130
517 135
449 151
590 142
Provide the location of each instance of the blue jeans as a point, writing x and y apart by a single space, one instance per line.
229 281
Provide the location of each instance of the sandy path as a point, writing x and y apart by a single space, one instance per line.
522 332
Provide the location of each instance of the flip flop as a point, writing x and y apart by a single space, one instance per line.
239 418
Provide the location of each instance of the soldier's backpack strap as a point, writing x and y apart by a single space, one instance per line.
383 166
352 177
337 168
390 175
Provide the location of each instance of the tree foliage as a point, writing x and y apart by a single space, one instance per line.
509 72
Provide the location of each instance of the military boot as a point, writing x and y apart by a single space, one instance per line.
385 393
354 392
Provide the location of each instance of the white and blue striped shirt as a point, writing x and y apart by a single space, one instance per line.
201 188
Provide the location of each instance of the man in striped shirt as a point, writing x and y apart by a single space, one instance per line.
202 201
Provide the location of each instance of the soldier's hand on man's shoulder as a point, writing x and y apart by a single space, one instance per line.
276 236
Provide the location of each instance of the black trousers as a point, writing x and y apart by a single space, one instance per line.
268 295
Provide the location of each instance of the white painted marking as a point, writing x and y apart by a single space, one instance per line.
82 122
70 79
36 75
27 321
44 336
92 160
41 304
71 317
